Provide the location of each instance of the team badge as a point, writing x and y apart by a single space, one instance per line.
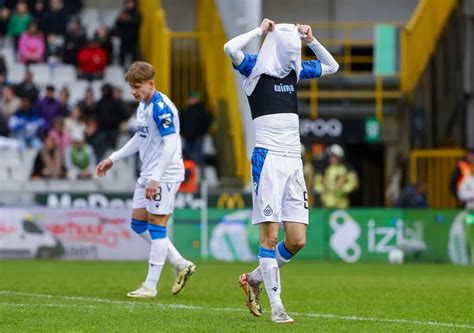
268 211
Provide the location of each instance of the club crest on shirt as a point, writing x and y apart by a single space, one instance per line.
268 211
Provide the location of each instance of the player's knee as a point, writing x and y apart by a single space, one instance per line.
296 244
139 226
157 219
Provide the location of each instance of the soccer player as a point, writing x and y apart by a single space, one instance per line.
279 194
158 143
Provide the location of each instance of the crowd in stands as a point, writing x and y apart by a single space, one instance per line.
69 138
51 32
77 135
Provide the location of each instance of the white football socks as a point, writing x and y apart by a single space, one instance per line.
175 258
158 254
271 276
283 256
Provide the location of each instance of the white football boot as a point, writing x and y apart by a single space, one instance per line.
142 292
280 316
182 276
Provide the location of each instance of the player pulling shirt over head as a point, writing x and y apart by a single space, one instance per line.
279 195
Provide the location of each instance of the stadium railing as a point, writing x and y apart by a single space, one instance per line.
353 46
187 61
434 167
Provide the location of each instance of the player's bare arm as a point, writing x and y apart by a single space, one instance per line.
103 167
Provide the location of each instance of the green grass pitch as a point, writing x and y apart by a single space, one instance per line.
61 296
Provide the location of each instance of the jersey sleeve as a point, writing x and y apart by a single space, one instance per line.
164 118
310 69
246 66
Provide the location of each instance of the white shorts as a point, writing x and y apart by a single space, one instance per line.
163 204
279 190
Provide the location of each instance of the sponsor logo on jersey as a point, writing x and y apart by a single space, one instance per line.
166 120
142 131
284 88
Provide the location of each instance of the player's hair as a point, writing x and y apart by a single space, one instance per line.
140 72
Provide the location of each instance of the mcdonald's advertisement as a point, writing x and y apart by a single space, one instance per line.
227 200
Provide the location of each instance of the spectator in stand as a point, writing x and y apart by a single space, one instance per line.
463 169
88 105
65 106
466 189
31 45
9 103
110 114
191 176
337 182
72 7
316 168
54 49
117 93
127 24
58 133
10 4
74 40
19 22
95 138
55 19
38 10
3 66
49 161
413 196
3 69
27 88
3 83
4 130
75 121
4 19
49 108
79 158
102 36
195 122
92 60
26 125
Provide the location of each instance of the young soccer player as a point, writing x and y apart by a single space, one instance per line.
279 194
158 143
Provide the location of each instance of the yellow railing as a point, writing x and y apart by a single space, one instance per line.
220 79
419 38
186 67
341 38
435 168
187 61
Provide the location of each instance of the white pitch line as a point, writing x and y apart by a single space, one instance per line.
203 308
46 305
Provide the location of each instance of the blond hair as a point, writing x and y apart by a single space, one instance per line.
140 72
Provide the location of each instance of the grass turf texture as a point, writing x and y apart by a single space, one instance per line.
90 296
